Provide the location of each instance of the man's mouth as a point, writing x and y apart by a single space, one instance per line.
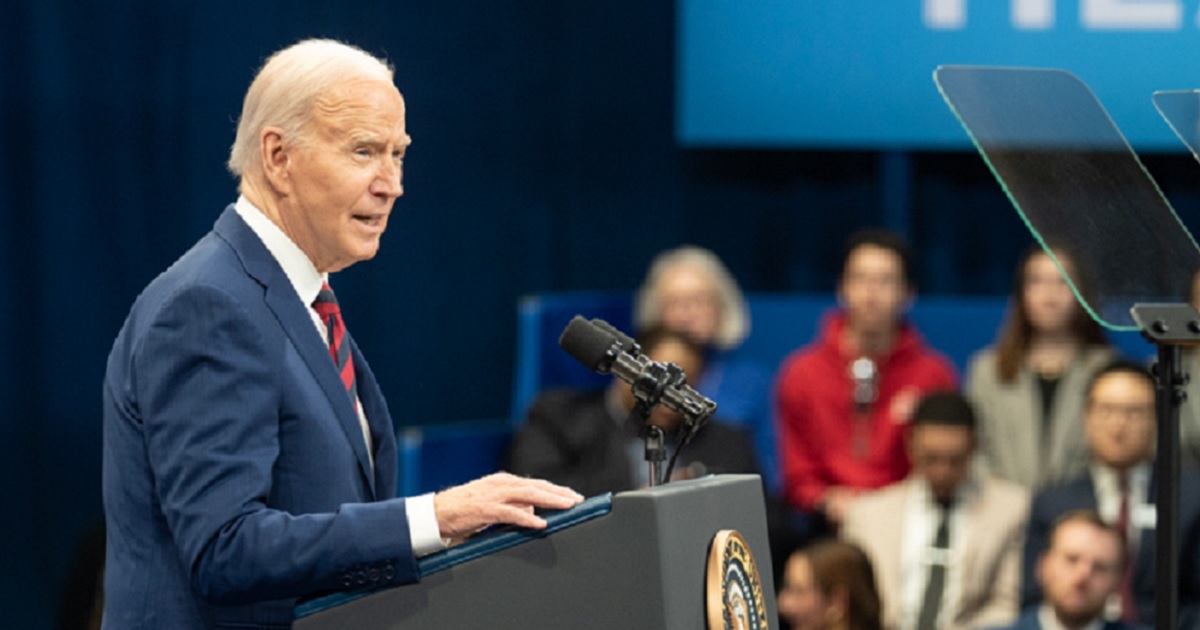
370 220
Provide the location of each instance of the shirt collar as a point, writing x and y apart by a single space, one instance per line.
1105 477
964 495
298 268
1049 620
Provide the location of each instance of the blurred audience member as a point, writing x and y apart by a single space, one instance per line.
1079 572
1028 388
946 541
844 401
586 438
829 586
1119 424
689 290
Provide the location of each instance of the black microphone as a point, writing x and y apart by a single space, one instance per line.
588 344
626 341
604 349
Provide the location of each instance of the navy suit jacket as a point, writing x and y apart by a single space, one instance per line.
1029 621
235 474
1080 494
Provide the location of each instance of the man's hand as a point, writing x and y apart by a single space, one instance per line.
836 502
499 498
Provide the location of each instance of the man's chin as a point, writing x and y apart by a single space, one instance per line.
874 323
366 250
1076 616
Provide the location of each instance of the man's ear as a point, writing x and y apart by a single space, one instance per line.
275 158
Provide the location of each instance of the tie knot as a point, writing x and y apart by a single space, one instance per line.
325 295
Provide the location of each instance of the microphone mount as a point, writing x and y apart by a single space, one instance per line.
606 350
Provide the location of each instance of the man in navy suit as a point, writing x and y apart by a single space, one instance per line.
1078 572
1119 427
249 457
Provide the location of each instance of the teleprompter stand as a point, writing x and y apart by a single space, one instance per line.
1092 206
1168 326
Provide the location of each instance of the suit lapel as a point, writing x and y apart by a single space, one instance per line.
1064 428
894 536
976 522
379 421
1087 494
1025 441
282 300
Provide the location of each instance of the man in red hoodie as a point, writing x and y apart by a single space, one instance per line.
844 401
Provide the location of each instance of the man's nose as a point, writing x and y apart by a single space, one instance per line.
388 181
1084 572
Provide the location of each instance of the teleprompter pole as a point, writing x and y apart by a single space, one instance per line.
1169 327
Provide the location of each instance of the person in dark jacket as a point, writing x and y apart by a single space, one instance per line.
587 440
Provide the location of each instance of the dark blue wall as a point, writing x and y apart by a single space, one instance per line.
543 161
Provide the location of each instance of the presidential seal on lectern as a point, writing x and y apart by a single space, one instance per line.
735 598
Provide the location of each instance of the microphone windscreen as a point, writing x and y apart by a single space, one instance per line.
627 342
587 343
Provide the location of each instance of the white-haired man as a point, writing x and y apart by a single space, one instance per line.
249 457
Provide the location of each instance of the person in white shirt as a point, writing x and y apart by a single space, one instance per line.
945 541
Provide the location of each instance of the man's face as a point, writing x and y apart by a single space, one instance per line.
342 178
1119 420
941 455
690 304
1079 571
873 290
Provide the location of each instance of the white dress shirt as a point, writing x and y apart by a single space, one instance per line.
917 554
424 533
1108 499
1142 514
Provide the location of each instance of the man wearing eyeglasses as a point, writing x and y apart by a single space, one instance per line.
1119 427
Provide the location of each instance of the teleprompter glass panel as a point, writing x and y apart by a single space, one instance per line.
1077 184
1181 110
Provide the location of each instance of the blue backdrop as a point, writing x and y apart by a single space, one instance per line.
859 74
544 160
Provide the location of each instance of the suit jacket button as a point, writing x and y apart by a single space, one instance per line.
346 581
389 572
373 575
361 577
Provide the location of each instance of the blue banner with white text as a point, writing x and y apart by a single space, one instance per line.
858 74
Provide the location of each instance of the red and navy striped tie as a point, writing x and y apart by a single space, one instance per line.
327 309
